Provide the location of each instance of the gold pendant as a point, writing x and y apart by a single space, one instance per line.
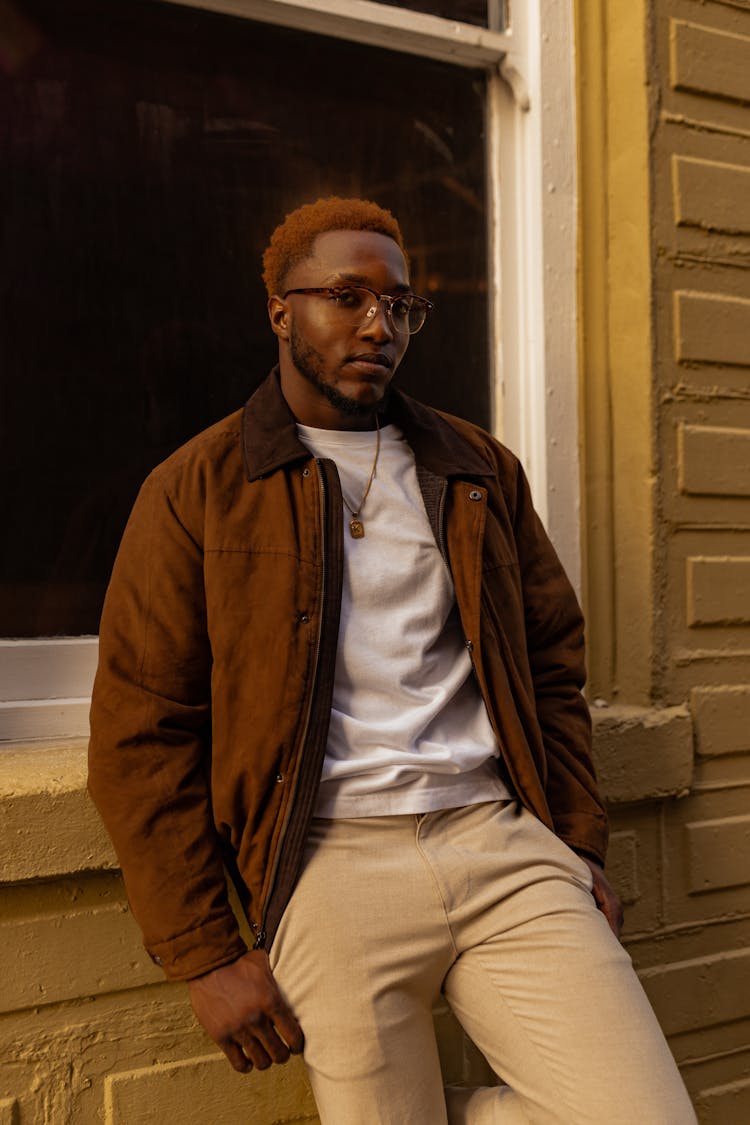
357 529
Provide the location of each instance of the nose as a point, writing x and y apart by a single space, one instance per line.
379 326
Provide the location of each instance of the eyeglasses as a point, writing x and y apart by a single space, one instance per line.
357 305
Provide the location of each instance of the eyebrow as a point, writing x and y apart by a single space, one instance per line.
360 279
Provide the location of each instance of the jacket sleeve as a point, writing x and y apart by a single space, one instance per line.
149 754
555 640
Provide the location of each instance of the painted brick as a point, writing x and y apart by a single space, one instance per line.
718 853
720 1105
634 864
701 992
55 1059
718 590
206 1090
721 717
622 865
725 1061
714 460
47 956
9 1112
712 328
711 195
642 753
681 905
709 61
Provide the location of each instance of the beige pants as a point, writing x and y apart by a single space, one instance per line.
486 905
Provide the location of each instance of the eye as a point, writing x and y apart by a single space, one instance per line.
402 307
348 298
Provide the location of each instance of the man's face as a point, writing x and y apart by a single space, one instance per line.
335 374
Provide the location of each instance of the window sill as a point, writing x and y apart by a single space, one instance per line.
48 825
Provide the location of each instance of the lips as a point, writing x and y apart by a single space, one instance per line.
372 360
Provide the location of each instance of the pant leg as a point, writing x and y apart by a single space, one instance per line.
484 1105
541 984
361 952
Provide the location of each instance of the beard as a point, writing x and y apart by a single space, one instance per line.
311 364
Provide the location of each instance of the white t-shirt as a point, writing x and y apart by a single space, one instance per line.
409 732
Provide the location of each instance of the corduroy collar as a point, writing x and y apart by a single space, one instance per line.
270 440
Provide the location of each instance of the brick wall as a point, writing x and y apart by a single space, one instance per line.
665 165
90 1033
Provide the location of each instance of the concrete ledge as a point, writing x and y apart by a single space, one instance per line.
50 828
48 825
643 753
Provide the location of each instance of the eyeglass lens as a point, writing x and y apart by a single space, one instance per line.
407 313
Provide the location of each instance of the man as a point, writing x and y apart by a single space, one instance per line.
340 657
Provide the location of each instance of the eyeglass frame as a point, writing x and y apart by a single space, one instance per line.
336 290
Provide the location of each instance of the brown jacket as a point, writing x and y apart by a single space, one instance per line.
218 641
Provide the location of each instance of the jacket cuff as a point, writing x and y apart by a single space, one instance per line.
587 835
198 951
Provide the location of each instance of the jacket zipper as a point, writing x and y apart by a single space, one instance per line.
260 929
442 546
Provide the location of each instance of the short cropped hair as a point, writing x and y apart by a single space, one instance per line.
292 241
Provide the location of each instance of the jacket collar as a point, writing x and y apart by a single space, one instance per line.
269 435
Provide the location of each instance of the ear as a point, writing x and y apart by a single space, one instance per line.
278 314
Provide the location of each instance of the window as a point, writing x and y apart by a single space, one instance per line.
149 150
482 13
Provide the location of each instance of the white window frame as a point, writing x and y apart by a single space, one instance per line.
45 683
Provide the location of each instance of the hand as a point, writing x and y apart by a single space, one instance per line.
241 1007
605 897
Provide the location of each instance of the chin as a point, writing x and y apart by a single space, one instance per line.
364 399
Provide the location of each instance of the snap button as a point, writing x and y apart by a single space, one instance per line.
156 959
304 618
475 494
279 778
305 472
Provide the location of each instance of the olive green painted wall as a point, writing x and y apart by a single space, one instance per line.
664 167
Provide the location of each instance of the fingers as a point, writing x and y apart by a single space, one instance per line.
619 918
260 1042
255 1048
606 898
236 1056
243 1010
262 1046
287 1025
609 914
276 1025
610 906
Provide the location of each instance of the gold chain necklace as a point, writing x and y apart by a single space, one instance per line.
356 527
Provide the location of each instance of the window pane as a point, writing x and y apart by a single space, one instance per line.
148 152
483 13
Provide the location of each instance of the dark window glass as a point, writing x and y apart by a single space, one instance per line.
483 13
147 152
